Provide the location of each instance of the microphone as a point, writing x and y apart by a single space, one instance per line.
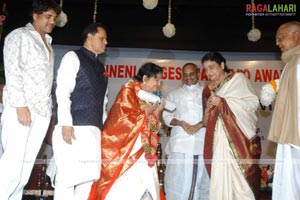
152 98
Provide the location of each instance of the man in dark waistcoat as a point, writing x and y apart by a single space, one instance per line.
81 98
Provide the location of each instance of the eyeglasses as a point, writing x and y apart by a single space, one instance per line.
281 37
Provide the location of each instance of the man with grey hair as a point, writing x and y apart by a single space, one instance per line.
285 125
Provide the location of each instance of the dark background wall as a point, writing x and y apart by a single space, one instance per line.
201 25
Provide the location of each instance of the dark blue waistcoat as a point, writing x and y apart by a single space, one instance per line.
89 92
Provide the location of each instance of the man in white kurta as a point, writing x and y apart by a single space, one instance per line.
81 98
28 63
186 176
284 128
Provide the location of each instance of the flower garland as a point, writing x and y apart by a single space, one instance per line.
95 10
62 18
254 34
150 4
169 29
150 142
268 92
150 139
149 132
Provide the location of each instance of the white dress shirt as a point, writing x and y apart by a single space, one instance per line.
28 69
188 101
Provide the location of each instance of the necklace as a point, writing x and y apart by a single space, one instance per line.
217 87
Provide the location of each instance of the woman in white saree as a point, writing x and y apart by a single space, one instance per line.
231 145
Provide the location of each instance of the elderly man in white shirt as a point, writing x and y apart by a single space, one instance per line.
28 64
186 176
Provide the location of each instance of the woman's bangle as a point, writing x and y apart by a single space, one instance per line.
202 124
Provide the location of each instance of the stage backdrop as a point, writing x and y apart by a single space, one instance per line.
123 63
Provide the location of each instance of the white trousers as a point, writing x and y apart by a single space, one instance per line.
79 162
21 145
179 176
78 192
286 182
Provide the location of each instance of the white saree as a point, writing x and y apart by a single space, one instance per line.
227 179
140 182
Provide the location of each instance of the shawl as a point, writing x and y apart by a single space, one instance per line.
246 151
126 120
284 127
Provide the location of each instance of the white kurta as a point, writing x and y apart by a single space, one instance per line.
182 147
188 101
286 182
79 162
